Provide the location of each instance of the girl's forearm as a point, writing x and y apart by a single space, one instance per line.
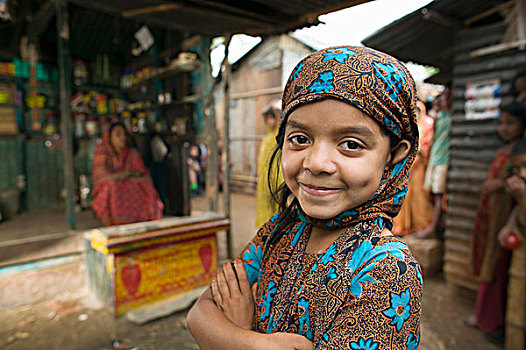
212 330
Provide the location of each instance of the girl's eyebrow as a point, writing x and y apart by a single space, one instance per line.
297 125
359 130
356 130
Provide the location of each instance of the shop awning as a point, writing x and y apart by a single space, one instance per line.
253 17
426 36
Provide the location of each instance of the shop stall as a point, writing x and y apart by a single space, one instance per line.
68 68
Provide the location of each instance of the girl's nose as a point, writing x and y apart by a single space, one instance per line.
319 159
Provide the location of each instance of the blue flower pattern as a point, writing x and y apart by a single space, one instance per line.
398 167
305 328
324 83
412 342
339 54
394 81
400 309
252 262
267 300
399 195
363 344
367 256
296 72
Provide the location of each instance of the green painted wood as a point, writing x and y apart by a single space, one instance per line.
11 163
45 176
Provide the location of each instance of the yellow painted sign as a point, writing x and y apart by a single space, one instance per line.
152 274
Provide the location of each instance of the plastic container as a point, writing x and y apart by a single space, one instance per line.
92 126
50 126
80 124
80 72
9 203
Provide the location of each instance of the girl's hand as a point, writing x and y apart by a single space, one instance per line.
488 187
285 341
506 231
233 295
516 186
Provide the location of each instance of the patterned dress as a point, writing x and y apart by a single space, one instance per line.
365 297
364 291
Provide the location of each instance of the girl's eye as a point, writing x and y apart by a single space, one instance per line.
298 140
351 145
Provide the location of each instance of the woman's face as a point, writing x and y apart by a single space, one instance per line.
118 138
333 157
510 127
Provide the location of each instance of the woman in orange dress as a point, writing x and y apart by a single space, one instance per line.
417 211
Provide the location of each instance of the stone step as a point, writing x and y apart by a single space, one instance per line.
30 282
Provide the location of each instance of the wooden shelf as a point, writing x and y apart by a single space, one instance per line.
185 67
10 105
15 79
99 88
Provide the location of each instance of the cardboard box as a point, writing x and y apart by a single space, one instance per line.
8 125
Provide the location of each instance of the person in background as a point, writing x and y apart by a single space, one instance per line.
518 86
489 261
417 211
512 237
194 169
122 188
266 206
436 173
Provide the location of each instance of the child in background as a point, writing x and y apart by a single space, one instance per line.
194 169
326 271
436 173
266 207
512 237
489 261
417 212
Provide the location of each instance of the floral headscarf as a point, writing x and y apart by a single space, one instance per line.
382 88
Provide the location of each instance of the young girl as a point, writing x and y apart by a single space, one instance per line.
489 261
326 271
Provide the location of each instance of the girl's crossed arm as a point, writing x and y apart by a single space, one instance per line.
222 317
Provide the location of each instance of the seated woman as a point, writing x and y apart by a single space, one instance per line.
122 188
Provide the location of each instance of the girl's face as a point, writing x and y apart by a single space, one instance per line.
333 157
510 127
118 138
520 87
519 165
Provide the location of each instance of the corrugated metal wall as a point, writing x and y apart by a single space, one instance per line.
473 143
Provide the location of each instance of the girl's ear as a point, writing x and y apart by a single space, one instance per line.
399 152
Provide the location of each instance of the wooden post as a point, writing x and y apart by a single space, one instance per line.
226 158
64 62
212 167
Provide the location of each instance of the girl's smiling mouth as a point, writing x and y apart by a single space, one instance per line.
317 190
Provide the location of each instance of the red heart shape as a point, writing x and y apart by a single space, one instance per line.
131 277
205 253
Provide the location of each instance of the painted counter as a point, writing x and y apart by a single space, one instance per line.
133 265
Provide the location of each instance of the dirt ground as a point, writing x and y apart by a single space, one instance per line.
74 320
